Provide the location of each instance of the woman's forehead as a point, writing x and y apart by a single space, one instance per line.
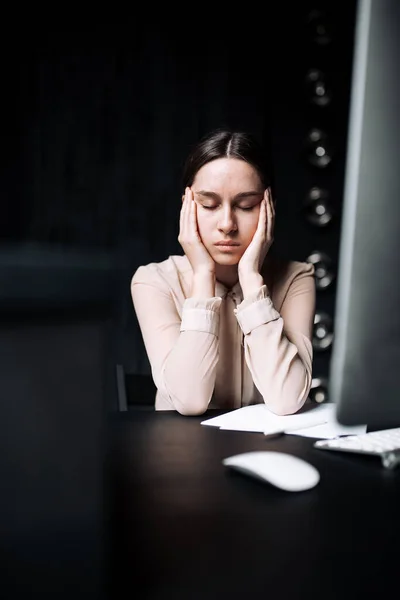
226 172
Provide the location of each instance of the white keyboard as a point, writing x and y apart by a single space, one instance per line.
385 443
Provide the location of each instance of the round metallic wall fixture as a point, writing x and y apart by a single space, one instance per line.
319 390
317 89
318 148
317 207
324 273
322 332
318 29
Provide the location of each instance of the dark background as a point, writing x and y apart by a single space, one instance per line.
98 117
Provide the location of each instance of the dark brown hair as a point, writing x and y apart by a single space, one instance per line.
223 143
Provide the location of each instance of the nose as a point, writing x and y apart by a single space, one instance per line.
227 223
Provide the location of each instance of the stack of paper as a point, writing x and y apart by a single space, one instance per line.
317 421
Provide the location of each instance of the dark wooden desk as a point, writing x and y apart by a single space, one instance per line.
185 527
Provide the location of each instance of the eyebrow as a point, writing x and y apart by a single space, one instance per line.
240 196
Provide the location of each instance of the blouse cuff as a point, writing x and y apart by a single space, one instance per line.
257 295
201 315
257 309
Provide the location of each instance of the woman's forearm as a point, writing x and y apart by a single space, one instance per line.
203 286
188 374
189 371
281 368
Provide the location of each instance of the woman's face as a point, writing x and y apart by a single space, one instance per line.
228 193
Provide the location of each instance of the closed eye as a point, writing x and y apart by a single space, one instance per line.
215 206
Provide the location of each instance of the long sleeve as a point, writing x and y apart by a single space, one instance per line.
278 347
182 349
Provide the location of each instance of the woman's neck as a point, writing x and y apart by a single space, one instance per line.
227 275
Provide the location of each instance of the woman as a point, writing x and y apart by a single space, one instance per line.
226 325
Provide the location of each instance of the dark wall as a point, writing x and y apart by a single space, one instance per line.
319 38
97 121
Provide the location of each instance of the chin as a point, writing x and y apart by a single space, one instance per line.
226 260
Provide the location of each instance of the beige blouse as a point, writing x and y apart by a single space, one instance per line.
226 352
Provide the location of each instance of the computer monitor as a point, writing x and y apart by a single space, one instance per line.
364 377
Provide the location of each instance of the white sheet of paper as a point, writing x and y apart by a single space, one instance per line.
329 430
247 418
311 421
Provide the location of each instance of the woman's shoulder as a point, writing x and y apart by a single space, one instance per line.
164 271
281 272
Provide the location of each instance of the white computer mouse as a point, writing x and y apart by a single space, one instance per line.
284 471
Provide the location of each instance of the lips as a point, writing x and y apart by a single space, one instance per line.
226 243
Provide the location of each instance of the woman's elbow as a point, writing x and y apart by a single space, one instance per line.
191 406
191 410
184 399
284 406
288 399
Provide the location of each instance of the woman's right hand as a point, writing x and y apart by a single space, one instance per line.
190 240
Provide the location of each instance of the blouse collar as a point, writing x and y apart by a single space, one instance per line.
235 292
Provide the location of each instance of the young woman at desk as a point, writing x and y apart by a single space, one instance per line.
225 325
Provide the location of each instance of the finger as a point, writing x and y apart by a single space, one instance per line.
262 217
270 209
270 220
193 219
188 202
271 201
182 218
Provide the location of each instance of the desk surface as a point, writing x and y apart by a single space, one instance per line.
186 527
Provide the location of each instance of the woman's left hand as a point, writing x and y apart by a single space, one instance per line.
251 262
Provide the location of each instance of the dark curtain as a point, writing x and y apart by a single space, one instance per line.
97 120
